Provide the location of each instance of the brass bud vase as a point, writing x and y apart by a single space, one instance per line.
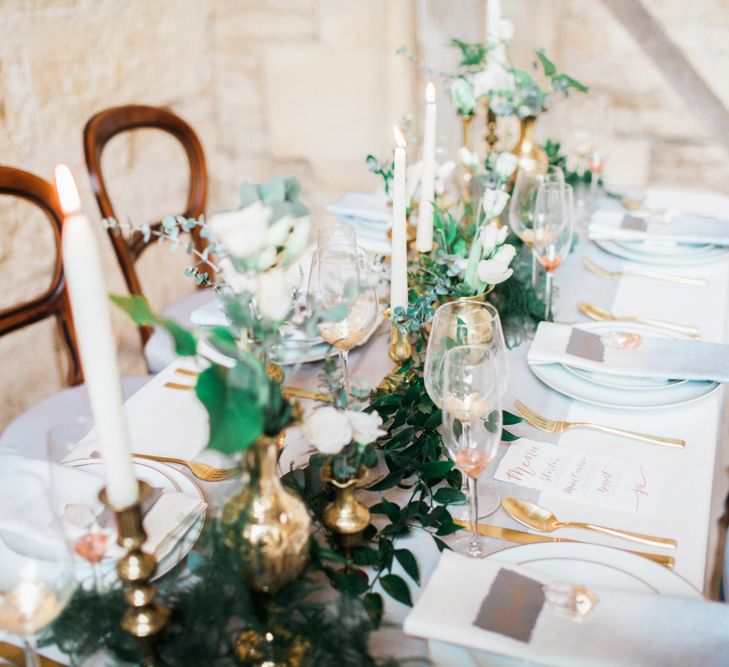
530 155
345 517
266 525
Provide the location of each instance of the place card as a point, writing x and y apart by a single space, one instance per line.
634 222
630 487
512 605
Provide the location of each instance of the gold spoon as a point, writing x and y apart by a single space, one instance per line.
600 314
657 275
539 518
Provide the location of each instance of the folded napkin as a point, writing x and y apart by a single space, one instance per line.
626 629
619 226
26 509
367 206
629 354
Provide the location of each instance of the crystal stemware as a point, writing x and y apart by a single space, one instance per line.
37 573
472 424
91 539
338 234
552 232
342 284
522 201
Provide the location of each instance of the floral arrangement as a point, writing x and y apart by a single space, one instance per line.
485 73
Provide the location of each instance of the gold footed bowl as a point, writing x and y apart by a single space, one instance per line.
267 526
345 517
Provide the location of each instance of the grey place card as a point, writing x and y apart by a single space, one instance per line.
634 222
512 606
585 345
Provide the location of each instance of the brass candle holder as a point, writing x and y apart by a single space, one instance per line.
145 618
399 350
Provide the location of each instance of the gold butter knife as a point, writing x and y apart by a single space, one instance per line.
15 655
288 392
522 537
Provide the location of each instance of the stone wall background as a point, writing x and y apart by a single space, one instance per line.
303 87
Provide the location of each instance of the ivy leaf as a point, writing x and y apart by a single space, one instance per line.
510 418
397 589
388 508
508 437
236 418
138 309
409 564
373 606
352 582
491 422
547 64
449 496
440 544
435 469
563 82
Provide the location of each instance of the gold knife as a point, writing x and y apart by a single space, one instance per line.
288 392
15 655
522 537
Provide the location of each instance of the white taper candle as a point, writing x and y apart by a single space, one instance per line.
424 240
399 255
92 321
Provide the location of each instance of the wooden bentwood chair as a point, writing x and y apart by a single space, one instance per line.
99 130
28 431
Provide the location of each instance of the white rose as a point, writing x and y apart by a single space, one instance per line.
238 282
278 231
493 272
365 426
489 238
328 429
266 258
242 232
506 164
298 240
273 295
493 202
505 254
494 77
468 158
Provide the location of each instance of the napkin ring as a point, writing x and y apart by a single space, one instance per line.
145 618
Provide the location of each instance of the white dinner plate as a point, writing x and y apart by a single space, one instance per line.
666 248
710 254
566 382
623 381
154 473
592 565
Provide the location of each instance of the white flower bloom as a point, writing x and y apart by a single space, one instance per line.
506 164
238 282
266 258
444 171
505 253
273 295
278 231
489 238
328 429
243 232
494 77
468 158
365 426
492 272
493 202
298 239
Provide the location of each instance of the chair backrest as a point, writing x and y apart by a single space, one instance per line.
54 301
99 130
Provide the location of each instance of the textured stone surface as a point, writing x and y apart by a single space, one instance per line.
301 87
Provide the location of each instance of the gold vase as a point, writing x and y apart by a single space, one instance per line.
266 525
530 156
466 175
345 517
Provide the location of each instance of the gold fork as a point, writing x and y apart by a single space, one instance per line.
665 215
553 426
202 471
288 392
656 275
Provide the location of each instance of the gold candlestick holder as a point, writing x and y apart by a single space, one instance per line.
399 350
145 618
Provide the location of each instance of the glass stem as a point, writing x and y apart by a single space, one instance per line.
30 653
343 355
535 271
475 543
548 297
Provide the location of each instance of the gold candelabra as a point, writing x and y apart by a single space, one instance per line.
145 618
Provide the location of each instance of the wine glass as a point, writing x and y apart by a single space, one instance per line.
341 282
472 424
338 234
552 233
37 573
91 539
464 322
523 199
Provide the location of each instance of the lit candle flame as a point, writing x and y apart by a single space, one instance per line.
399 139
430 93
66 188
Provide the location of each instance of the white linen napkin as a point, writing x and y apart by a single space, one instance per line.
629 354
25 507
367 206
626 629
621 226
